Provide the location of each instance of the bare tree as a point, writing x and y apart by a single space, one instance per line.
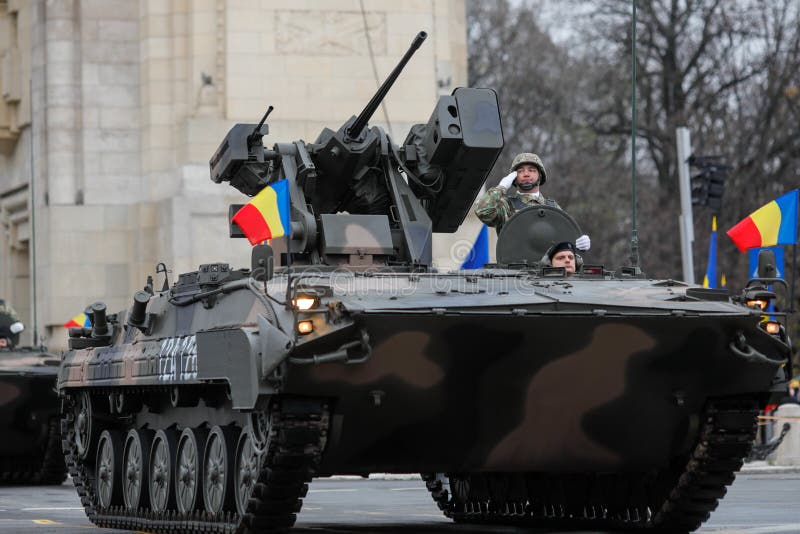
540 87
728 70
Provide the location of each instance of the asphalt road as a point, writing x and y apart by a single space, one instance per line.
755 504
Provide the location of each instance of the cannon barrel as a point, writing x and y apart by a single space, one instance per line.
354 132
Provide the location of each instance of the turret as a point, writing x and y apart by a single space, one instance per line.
359 199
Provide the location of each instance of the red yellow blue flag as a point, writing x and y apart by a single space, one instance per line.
267 215
710 279
772 224
79 320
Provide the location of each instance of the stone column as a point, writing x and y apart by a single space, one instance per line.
788 453
62 103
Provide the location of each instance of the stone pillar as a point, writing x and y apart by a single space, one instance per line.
63 103
788 453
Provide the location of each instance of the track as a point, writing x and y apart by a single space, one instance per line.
678 499
296 437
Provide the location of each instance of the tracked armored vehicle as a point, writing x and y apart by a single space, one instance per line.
523 395
30 451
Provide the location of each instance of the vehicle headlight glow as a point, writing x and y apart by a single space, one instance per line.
772 327
305 302
305 327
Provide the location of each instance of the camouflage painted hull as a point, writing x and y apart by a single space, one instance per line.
457 377
553 394
30 452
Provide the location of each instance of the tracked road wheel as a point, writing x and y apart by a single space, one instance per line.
84 424
135 466
162 468
258 427
218 476
109 469
188 468
247 470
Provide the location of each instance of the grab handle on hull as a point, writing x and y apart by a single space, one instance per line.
350 353
742 349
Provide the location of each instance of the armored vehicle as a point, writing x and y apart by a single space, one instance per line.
210 403
30 451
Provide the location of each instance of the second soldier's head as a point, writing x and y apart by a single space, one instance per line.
563 255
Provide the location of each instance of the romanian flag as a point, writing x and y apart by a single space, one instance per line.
772 224
710 279
267 215
79 320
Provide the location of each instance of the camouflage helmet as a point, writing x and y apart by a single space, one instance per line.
532 159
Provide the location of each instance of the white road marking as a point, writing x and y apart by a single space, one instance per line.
774 529
408 489
53 508
342 490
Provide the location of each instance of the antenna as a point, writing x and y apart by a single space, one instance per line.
634 230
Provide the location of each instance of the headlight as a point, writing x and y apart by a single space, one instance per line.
759 303
758 297
305 302
772 327
305 327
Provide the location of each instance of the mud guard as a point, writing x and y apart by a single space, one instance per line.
230 355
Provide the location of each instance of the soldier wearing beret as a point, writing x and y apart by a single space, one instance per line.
564 255
527 175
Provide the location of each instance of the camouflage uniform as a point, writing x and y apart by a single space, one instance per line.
496 206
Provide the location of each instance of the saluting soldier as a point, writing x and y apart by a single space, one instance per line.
527 175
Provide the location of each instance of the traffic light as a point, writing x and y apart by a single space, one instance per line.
708 185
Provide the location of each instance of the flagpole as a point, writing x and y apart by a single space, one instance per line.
791 303
288 299
794 275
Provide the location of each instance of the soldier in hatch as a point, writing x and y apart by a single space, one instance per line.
564 255
527 175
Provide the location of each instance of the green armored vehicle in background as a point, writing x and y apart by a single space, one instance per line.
30 451
210 404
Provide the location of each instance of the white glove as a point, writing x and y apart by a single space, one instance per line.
583 242
507 181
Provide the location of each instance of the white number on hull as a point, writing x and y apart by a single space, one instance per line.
177 359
